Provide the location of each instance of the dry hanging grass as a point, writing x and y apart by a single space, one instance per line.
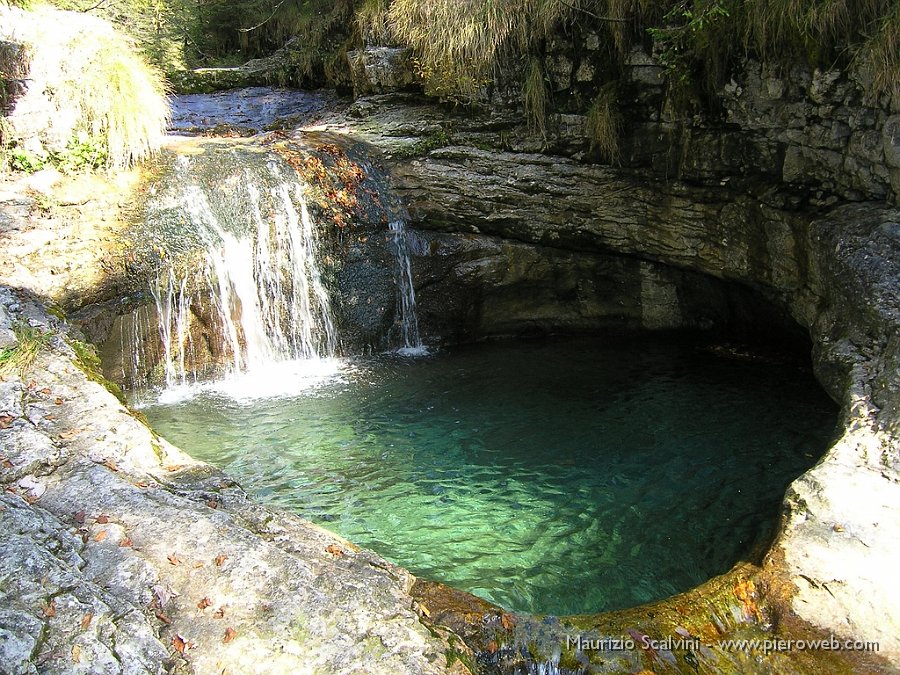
95 80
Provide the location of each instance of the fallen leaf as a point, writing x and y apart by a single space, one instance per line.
49 609
102 519
45 391
220 559
230 634
204 603
142 484
71 433
111 465
101 535
335 550
86 620
492 647
59 400
76 654
162 595
126 543
31 498
162 617
508 621
838 528
174 467
78 518
197 565
6 421
213 504
179 644
173 559
7 464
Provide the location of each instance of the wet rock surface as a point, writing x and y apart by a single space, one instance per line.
122 554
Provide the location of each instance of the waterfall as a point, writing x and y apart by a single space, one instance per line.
253 296
409 321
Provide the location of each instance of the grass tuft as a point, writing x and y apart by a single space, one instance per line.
603 123
31 341
460 42
536 97
373 23
110 106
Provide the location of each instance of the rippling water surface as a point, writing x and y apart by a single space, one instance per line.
562 477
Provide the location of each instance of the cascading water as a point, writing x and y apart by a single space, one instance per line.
409 321
256 286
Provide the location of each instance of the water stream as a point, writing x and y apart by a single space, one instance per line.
409 321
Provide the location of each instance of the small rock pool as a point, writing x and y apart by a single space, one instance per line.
553 477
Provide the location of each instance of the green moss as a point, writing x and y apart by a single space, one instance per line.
87 360
436 139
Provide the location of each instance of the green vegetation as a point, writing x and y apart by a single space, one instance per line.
30 343
434 140
461 42
460 48
110 106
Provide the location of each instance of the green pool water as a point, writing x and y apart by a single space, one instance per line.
553 477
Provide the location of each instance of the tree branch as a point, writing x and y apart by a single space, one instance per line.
261 23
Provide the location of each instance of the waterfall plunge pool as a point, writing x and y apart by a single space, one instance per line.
561 477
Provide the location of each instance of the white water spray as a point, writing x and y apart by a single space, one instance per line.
261 283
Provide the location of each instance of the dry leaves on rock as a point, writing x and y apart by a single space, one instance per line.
230 634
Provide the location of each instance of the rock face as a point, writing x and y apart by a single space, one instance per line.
123 554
